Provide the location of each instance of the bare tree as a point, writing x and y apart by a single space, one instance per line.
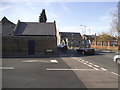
115 25
105 37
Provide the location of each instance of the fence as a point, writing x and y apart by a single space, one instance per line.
106 45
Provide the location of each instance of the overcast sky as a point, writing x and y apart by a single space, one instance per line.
96 16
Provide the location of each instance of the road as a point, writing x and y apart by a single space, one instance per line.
97 71
69 70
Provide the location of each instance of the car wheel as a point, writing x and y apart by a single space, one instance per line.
118 61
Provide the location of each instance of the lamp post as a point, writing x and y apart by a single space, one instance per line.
83 27
72 41
89 31
83 33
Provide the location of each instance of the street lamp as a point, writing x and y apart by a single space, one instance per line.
89 31
72 41
83 29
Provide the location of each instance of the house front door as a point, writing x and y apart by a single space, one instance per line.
31 47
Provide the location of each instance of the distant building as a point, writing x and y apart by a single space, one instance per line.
7 27
70 39
87 40
89 37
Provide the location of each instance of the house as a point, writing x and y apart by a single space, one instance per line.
7 27
70 39
89 37
87 40
31 38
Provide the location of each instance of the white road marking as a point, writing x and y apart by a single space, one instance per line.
115 73
96 65
7 68
62 69
44 61
104 69
54 61
86 61
93 67
82 60
91 63
31 61
90 66
74 57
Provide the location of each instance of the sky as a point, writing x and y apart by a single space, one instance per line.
83 17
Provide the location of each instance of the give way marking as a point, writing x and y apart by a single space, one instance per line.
7 68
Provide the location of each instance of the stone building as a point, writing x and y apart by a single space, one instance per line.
30 38
7 27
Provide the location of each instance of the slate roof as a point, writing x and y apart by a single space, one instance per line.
4 20
35 28
7 27
68 34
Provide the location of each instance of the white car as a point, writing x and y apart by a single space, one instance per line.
116 59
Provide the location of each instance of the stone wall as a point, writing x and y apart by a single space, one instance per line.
18 45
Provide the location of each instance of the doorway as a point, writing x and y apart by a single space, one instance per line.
31 47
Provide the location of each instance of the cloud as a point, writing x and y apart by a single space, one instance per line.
53 15
3 8
30 4
70 29
65 8
107 17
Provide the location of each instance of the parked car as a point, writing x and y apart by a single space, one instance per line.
116 59
85 51
60 46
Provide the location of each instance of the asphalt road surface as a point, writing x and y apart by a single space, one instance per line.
69 70
35 73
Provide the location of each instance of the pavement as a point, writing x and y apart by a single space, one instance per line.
109 51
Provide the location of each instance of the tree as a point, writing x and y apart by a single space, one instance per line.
115 25
42 17
105 37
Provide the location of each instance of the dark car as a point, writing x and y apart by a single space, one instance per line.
86 51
